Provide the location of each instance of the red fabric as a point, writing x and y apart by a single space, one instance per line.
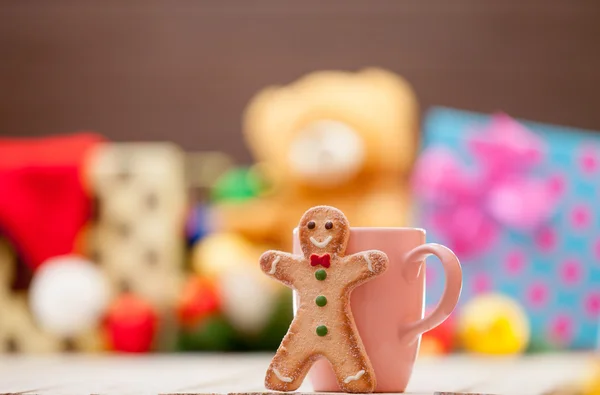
43 201
323 260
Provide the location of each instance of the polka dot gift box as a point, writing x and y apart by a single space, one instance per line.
519 203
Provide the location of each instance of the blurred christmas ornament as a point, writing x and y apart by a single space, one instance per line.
494 324
439 340
68 295
131 324
198 299
277 326
223 252
238 184
197 224
248 302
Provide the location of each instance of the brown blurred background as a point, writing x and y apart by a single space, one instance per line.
184 70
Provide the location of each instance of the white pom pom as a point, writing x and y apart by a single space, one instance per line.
247 302
68 295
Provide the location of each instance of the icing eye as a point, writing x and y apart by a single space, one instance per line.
328 225
310 225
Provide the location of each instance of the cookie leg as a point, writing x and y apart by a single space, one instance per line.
288 368
352 369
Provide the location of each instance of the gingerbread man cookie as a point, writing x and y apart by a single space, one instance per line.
323 278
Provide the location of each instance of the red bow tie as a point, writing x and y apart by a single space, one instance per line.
323 260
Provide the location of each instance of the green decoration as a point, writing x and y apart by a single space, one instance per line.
321 300
237 185
322 330
321 274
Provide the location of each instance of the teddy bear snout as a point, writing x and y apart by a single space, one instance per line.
326 152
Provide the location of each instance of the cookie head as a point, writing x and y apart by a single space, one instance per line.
323 230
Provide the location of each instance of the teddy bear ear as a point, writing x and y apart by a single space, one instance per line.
400 94
265 122
257 120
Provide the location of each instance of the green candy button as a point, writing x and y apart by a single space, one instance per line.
321 330
321 300
321 274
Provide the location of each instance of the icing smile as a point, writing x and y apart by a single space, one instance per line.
321 244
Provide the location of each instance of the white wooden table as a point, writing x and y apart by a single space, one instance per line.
226 373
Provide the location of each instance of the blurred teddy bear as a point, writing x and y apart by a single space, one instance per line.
346 139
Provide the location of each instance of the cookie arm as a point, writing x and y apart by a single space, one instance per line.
282 266
364 266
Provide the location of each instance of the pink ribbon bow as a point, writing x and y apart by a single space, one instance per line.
469 206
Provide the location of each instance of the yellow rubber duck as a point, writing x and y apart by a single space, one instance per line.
494 324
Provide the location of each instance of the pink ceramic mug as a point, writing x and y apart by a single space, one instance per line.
389 310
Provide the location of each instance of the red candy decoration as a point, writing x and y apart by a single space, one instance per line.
440 340
199 299
131 324
323 260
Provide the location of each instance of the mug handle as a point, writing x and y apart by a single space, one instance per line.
414 261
